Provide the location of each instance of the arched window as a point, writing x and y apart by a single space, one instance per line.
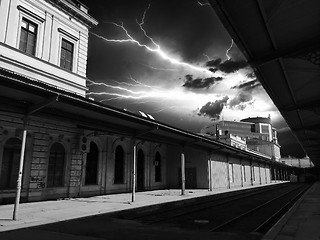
119 165
157 164
56 166
10 164
92 165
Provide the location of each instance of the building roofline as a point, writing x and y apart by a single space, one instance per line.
69 8
36 87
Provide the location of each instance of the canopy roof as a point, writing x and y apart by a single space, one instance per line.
281 41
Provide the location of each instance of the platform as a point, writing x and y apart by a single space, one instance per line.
39 213
302 221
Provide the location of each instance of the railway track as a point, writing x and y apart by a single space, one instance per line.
162 215
260 218
250 211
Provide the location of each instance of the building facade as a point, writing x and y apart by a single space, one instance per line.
257 133
46 41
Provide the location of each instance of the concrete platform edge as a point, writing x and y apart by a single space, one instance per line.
275 230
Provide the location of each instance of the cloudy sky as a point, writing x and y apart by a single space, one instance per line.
175 61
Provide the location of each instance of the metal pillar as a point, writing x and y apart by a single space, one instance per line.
228 173
260 174
17 201
134 172
183 176
265 172
241 173
251 173
210 174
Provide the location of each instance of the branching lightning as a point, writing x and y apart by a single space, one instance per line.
203 4
131 94
227 52
91 83
160 69
143 30
164 109
141 92
159 95
209 59
142 84
156 47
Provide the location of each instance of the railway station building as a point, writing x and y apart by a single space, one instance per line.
73 146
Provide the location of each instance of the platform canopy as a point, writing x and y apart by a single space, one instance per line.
281 41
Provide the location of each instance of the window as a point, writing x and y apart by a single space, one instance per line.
264 128
66 57
92 165
56 166
10 164
28 37
119 165
157 164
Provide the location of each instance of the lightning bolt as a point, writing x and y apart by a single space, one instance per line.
203 4
142 84
143 30
131 94
160 69
156 49
91 83
164 109
227 52
209 59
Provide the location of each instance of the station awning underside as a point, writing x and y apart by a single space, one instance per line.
28 97
281 41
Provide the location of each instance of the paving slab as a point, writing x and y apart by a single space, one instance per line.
302 221
39 213
50 219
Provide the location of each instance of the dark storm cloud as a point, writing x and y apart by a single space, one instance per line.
213 70
214 62
228 66
251 75
213 109
238 100
200 83
244 96
248 86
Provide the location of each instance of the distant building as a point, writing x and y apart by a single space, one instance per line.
298 162
233 140
253 133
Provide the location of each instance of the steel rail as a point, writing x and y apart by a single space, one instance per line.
252 210
189 208
262 227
